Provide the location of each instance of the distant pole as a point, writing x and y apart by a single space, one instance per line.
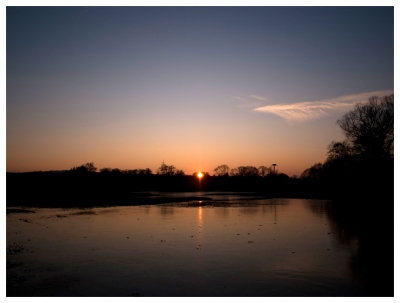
274 167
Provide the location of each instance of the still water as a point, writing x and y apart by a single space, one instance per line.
234 247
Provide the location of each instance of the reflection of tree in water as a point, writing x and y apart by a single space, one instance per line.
273 206
325 209
319 207
222 211
249 210
267 206
371 230
146 209
166 210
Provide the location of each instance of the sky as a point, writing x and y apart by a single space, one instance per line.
195 87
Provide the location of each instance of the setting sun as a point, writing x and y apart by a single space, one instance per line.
200 174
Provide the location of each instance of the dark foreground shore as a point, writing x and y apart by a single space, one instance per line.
45 189
42 189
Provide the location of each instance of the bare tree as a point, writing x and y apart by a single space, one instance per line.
247 171
105 170
369 128
222 170
169 170
180 172
314 172
85 168
263 171
234 172
340 150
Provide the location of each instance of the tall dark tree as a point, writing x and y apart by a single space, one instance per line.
361 166
369 128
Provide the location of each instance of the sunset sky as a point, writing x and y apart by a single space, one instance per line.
196 87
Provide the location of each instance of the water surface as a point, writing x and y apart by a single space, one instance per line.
237 246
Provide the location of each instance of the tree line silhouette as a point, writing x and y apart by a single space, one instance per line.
360 166
171 170
246 171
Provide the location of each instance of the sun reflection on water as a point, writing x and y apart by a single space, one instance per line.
200 214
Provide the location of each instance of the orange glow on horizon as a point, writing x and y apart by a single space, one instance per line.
200 175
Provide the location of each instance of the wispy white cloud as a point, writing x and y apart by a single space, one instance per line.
258 97
251 101
310 110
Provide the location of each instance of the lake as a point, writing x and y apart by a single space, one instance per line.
226 244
